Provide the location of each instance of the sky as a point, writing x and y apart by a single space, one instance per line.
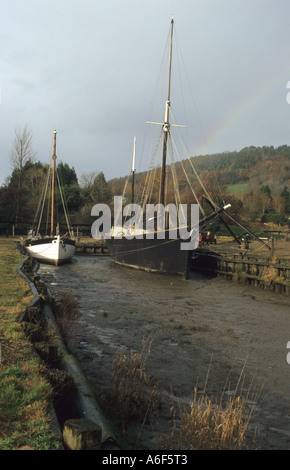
89 69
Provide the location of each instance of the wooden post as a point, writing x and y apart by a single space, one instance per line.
82 434
272 246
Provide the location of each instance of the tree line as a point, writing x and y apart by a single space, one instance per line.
255 180
22 190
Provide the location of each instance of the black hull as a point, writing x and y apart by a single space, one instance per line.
163 256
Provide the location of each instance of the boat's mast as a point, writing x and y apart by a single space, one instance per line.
166 124
133 169
52 181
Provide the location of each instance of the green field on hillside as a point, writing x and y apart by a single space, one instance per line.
238 189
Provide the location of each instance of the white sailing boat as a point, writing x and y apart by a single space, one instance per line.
53 248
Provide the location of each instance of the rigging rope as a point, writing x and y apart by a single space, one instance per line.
187 178
63 203
44 199
150 175
146 247
185 74
41 201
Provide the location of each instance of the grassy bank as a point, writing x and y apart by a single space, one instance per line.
25 395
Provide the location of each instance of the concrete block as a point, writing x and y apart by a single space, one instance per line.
82 434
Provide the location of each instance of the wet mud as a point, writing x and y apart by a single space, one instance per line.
205 332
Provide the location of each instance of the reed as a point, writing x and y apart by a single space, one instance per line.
211 424
66 312
135 396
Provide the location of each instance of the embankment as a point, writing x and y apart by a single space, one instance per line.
81 423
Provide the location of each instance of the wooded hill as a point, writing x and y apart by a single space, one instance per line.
255 180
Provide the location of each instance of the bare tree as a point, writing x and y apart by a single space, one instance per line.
22 151
21 154
87 184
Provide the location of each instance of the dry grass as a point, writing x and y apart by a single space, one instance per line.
66 311
270 275
210 424
134 396
68 305
207 426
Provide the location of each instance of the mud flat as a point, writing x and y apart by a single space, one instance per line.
203 331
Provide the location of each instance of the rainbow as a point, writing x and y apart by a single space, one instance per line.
244 105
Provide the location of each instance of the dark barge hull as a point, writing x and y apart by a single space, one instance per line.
163 256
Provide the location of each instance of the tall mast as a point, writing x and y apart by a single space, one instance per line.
133 169
166 125
52 181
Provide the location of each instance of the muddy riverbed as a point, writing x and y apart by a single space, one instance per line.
204 332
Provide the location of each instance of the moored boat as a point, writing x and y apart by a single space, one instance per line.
51 248
55 250
156 251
